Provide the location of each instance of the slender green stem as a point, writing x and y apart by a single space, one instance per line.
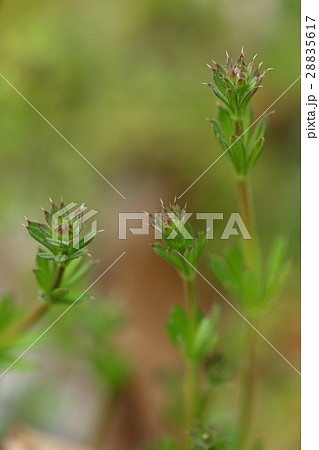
247 401
246 208
191 385
32 317
238 127
24 324
59 276
245 204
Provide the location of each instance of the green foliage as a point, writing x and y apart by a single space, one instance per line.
253 287
235 84
57 273
61 234
10 342
245 150
60 270
179 247
196 344
55 290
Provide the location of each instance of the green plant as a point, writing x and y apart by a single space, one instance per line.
253 279
59 270
193 333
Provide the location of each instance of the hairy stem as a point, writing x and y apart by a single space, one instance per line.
191 385
248 391
245 204
59 276
246 208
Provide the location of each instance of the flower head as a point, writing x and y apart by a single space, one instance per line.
61 233
180 248
170 224
236 82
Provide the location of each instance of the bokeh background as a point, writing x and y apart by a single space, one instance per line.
121 80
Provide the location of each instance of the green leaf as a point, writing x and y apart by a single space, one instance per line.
61 258
178 330
277 257
246 121
226 122
45 229
241 89
37 234
85 240
246 99
218 132
160 250
42 279
224 145
200 245
205 337
237 154
255 153
56 243
45 255
77 254
73 296
236 264
78 275
259 132
221 271
59 294
71 268
175 258
220 84
219 95
232 100
278 268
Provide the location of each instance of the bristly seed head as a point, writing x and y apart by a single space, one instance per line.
61 233
236 83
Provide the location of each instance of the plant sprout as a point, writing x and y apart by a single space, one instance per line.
59 269
193 333
251 278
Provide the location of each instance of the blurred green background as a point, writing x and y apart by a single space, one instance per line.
121 81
